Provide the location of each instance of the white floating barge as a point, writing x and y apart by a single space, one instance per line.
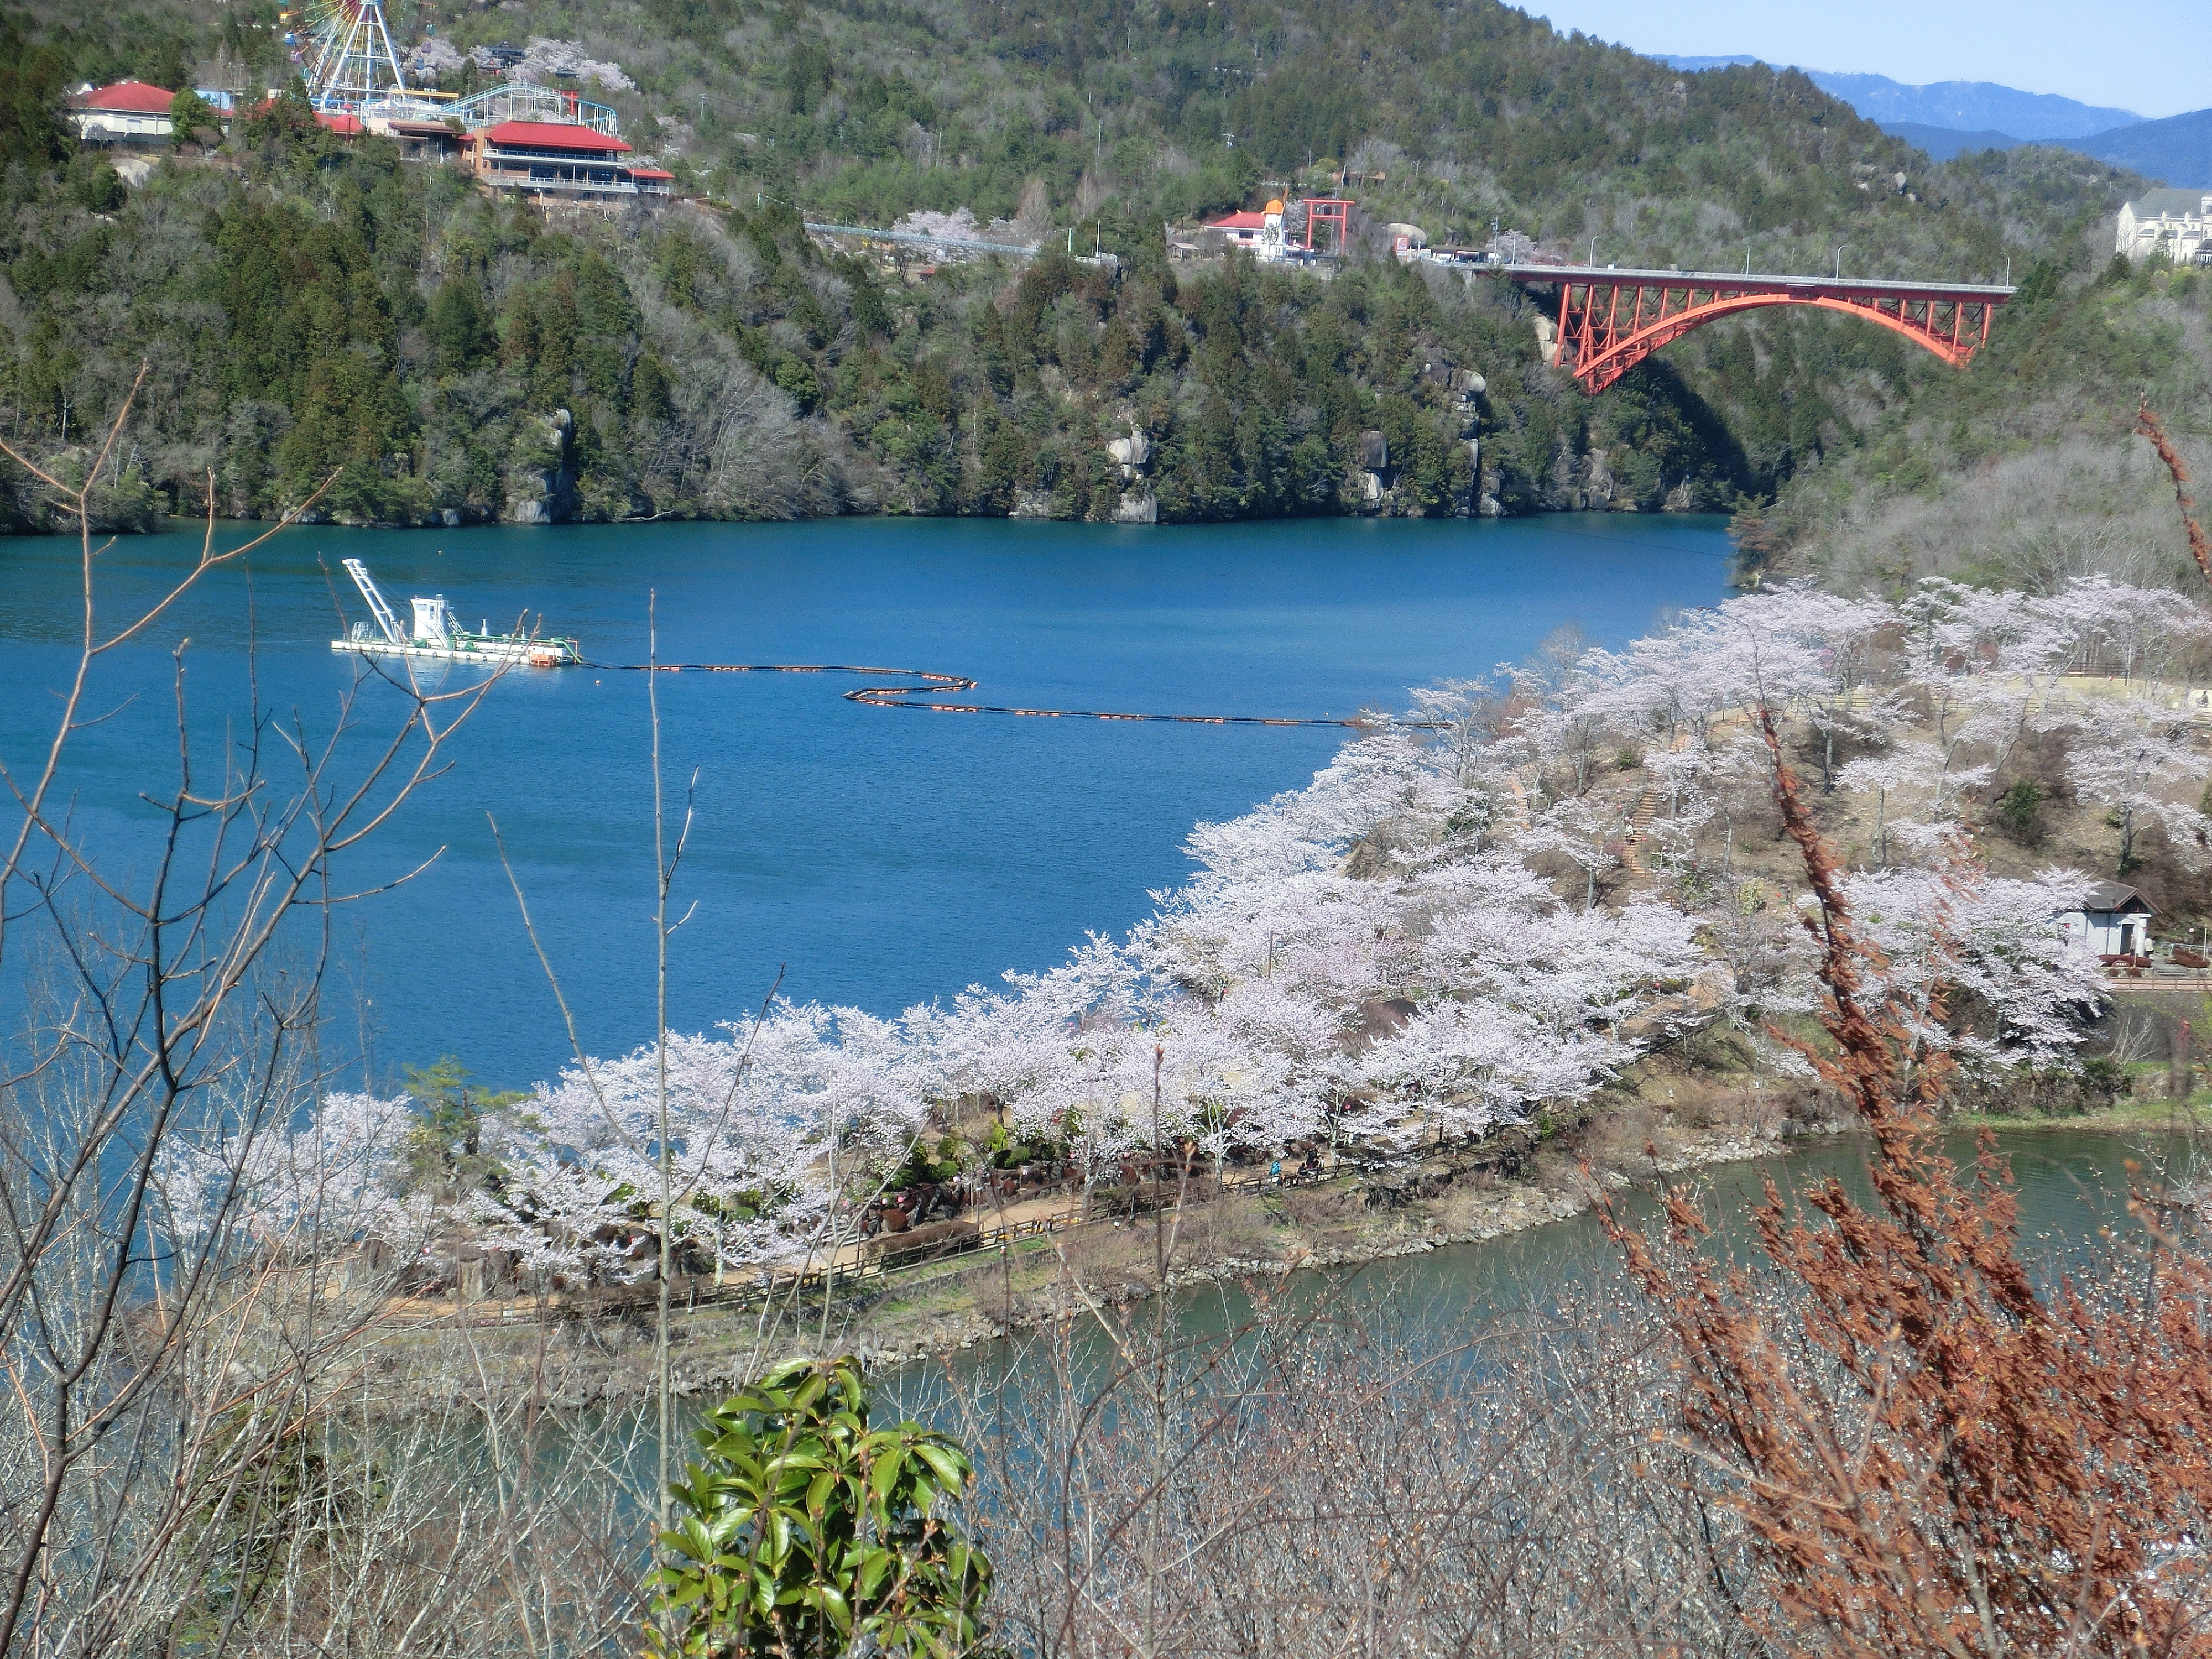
436 636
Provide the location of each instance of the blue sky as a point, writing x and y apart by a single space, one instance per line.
2143 55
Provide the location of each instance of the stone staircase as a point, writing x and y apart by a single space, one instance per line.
1635 856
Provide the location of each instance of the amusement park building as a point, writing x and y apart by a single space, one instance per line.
557 162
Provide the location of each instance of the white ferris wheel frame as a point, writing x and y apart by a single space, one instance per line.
356 35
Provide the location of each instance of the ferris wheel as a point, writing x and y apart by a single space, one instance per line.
349 58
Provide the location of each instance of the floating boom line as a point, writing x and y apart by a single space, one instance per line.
933 684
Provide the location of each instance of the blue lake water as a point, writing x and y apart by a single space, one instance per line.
875 857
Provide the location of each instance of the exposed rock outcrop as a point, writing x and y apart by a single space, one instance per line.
1131 453
541 487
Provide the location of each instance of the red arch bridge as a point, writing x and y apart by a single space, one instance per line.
1612 320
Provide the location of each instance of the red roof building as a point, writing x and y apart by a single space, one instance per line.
344 124
127 97
129 112
1261 232
420 141
557 136
558 162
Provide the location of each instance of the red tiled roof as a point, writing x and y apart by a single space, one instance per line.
650 173
1241 222
555 135
128 97
344 125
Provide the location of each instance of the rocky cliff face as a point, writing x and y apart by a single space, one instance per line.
541 480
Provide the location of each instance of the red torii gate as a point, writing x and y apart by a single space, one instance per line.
1329 210
1610 320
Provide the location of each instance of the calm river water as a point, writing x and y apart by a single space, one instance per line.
2072 1186
876 857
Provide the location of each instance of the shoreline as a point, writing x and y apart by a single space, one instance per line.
2134 1118
1556 1189
181 523
933 1311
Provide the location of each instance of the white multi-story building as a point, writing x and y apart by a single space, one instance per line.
2180 219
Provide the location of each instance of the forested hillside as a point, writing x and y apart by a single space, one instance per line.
2024 472
310 306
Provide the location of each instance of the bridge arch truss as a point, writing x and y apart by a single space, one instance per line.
1610 320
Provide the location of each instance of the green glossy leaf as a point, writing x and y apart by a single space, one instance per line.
890 1464
949 1467
801 1527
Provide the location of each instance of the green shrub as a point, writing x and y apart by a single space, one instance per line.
804 1533
2019 811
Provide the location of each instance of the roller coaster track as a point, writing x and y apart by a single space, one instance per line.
929 686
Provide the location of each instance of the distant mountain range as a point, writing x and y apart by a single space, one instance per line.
1951 117
1959 106
1941 144
1972 106
2178 149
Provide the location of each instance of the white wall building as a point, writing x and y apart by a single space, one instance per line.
2181 219
1260 234
128 112
2111 920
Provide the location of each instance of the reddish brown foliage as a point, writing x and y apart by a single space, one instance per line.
2148 423
1930 1458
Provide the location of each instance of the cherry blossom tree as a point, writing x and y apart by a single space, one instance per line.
1590 836
2129 755
749 1123
1826 645
1377 954
327 1180
1951 925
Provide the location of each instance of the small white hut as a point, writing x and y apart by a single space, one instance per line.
2111 920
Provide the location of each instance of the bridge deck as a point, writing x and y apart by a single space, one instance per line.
1757 282
1611 320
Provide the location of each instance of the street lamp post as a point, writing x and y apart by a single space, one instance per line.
1839 260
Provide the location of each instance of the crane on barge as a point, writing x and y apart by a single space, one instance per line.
435 635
